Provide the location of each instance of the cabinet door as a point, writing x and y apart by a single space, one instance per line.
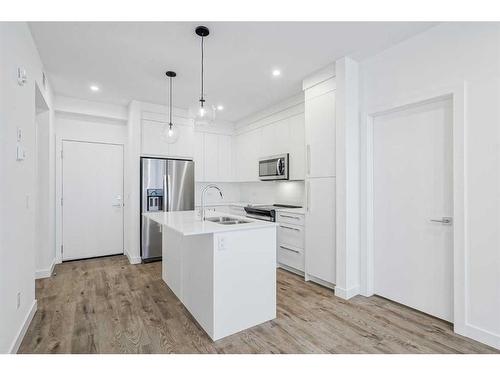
297 147
183 148
225 158
320 135
320 228
248 154
198 157
152 142
211 150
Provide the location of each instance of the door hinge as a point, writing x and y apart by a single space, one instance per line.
61 201
62 249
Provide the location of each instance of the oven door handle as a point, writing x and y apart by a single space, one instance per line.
259 217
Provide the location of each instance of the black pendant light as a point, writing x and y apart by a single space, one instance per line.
204 113
170 133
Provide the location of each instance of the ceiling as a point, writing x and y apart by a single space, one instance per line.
128 60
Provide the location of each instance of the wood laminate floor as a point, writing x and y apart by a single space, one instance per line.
107 305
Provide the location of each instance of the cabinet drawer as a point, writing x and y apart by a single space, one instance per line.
291 235
291 257
295 219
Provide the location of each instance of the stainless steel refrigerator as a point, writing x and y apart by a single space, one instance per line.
166 185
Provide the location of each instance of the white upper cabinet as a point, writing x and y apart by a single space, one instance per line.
198 156
210 156
280 137
152 142
320 129
225 156
184 147
213 158
296 147
248 152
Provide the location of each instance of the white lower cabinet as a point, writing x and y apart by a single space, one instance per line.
320 257
291 240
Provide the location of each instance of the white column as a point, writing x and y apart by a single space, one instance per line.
347 171
132 190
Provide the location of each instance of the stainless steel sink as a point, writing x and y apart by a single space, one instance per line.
226 220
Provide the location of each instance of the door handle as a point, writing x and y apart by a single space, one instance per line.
284 226
290 249
445 220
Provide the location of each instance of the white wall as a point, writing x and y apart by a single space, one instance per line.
445 56
18 186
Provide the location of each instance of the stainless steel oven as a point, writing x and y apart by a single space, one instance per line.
274 167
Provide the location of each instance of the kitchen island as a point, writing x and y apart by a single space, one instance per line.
223 271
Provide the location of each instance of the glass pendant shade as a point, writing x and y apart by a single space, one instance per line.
203 115
170 133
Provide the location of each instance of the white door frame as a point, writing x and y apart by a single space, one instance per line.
457 94
59 190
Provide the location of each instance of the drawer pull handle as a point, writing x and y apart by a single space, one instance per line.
291 217
287 248
284 226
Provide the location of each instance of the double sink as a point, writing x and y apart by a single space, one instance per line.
226 220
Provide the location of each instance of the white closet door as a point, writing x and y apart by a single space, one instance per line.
413 199
92 211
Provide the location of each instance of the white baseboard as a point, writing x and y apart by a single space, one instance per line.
346 293
133 260
480 334
290 269
20 335
41 274
324 283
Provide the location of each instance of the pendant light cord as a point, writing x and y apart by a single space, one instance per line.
170 123
202 55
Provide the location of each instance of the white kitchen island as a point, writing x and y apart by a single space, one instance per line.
225 275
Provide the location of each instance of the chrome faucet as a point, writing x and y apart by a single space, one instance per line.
211 186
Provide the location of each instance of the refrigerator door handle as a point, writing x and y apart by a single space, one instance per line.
165 193
169 193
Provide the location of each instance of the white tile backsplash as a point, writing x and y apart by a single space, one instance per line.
262 192
285 192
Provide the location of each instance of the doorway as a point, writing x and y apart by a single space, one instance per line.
413 206
92 199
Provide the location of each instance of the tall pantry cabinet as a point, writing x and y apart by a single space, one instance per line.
320 255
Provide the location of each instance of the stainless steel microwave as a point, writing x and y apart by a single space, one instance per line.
274 167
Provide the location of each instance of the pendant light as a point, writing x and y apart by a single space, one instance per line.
203 113
170 133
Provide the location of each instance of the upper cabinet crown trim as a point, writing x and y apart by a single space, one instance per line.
319 76
320 89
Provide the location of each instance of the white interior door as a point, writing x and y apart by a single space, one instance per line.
92 188
413 182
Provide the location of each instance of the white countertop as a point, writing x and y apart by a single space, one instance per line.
189 223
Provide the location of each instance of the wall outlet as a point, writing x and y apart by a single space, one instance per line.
18 302
221 243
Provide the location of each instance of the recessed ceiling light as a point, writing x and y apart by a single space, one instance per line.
276 72
94 88
220 107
